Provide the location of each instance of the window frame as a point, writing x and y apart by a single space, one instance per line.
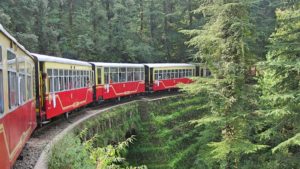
13 71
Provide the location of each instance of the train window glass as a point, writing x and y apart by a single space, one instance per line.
22 87
164 74
82 79
106 75
160 75
13 92
86 78
122 74
22 80
29 71
66 79
50 77
55 80
78 74
29 86
169 74
71 79
155 75
142 74
172 74
114 75
176 73
130 74
92 78
61 80
137 74
74 79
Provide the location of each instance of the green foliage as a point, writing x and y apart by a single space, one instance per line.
102 30
225 44
69 153
280 88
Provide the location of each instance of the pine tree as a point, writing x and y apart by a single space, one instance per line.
280 85
222 44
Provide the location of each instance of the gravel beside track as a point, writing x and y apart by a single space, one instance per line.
43 137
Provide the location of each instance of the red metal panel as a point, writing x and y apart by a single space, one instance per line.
65 101
169 83
15 129
119 89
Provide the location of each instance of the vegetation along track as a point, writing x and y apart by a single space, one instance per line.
45 135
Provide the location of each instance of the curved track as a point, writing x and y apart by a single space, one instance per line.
41 140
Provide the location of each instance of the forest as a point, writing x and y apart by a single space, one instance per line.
251 116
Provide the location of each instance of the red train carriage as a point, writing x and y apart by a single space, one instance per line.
17 101
65 85
166 76
115 80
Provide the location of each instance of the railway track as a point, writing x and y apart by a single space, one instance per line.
45 135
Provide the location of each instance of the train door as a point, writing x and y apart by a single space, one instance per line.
94 76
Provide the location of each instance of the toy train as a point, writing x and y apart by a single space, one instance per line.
35 88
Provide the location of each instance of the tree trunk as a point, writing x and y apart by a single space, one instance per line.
190 13
152 17
141 17
166 6
71 8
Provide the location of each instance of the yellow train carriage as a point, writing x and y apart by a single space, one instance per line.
166 76
65 85
17 101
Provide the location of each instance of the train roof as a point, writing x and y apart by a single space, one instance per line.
5 32
104 64
167 65
46 58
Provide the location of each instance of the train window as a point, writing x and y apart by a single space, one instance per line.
70 79
168 76
122 74
77 79
66 79
130 74
51 81
22 79
106 75
1 85
191 73
156 75
30 69
13 92
92 78
142 74
165 74
114 75
160 75
61 80
22 87
82 84
175 72
137 74
55 80
85 79
74 78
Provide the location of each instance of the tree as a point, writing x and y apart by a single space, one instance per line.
280 88
222 43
